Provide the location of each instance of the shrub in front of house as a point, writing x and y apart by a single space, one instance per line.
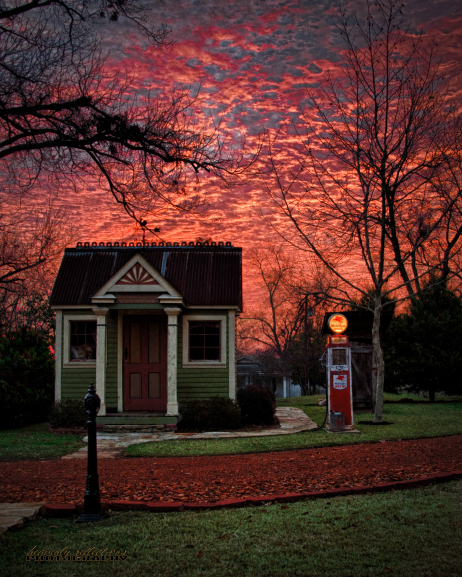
215 414
26 377
257 404
68 414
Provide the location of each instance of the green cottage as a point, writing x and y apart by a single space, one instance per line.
153 326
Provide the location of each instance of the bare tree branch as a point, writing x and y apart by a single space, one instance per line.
376 197
63 117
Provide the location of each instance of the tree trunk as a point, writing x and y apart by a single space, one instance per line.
377 345
431 394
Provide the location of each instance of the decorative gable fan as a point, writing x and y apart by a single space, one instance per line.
137 275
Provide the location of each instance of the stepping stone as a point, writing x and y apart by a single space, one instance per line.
74 456
12 515
11 523
26 513
10 506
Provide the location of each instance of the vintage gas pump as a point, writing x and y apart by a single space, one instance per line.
339 378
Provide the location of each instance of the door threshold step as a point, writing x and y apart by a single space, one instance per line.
134 420
141 429
136 414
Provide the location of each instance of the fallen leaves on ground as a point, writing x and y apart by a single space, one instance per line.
216 478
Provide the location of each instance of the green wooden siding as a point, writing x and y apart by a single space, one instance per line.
201 383
111 359
193 383
75 381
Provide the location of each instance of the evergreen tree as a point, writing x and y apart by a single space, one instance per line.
26 377
424 347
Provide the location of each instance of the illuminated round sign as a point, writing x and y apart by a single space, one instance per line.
337 323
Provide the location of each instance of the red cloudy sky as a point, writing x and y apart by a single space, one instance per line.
253 60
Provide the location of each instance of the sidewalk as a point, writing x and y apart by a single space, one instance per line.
110 445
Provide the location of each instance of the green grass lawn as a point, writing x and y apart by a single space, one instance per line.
411 533
409 421
35 442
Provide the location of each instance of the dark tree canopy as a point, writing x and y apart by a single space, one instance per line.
26 377
424 347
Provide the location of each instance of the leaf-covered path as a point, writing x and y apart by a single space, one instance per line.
217 478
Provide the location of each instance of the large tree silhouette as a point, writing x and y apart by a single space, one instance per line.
377 184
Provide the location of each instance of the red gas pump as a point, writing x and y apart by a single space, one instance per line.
339 378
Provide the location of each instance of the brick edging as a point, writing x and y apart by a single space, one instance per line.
67 510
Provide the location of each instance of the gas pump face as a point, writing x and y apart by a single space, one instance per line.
339 359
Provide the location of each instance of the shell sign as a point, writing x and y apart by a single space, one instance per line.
337 323
340 382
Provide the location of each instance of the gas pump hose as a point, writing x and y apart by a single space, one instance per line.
325 416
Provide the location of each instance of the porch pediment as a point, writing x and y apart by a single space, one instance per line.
136 276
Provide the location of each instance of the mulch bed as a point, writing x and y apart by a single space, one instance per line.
217 478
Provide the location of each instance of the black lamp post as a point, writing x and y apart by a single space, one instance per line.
91 503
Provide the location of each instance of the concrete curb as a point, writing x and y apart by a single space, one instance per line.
66 510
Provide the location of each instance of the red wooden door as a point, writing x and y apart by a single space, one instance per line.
145 363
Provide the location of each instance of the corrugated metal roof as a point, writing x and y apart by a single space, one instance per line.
203 275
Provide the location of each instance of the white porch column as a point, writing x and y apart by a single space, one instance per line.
101 356
284 387
232 354
172 360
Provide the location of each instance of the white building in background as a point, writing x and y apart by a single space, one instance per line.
250 372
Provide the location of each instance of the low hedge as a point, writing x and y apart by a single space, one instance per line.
210 415
68 414
257 404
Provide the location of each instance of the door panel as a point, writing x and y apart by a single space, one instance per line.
154 386
135 342
145 363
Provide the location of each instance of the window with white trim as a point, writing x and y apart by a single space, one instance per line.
79 340
204 340
82 336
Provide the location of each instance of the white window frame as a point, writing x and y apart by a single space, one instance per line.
67 363
223 340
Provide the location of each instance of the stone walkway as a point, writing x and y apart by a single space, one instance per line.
110 445
13 515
